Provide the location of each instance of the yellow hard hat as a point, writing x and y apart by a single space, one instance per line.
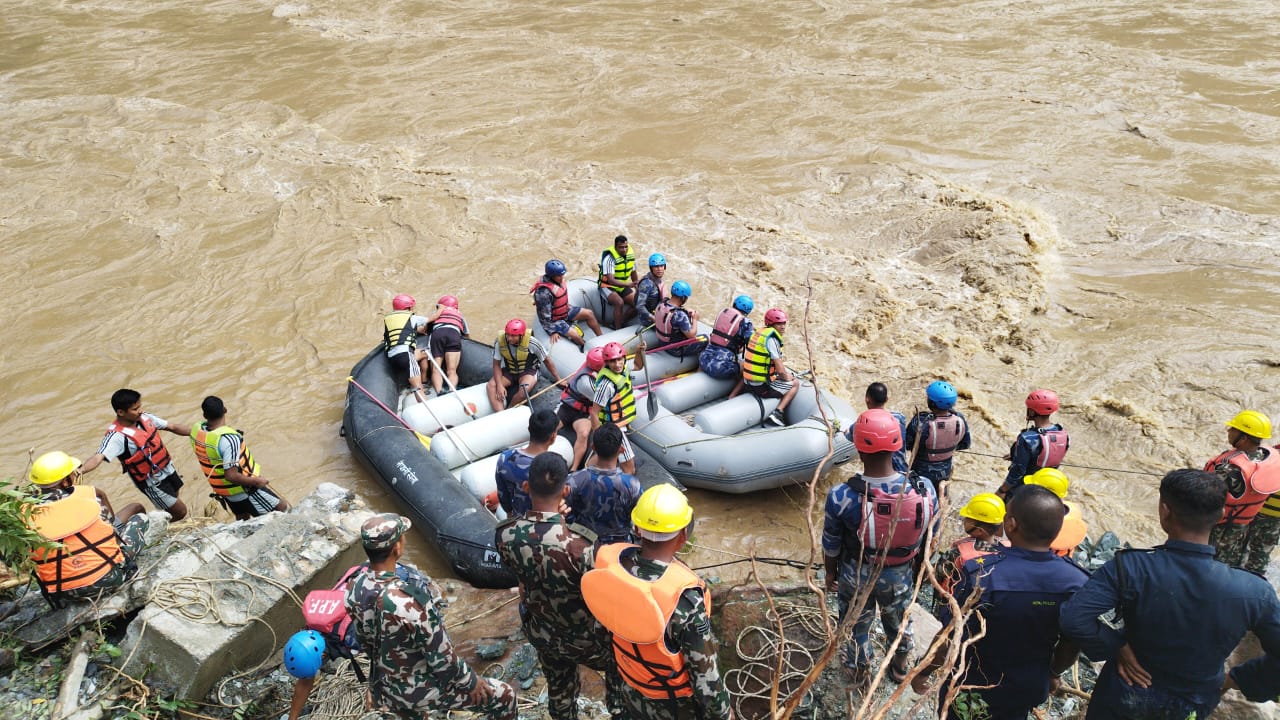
661 511
52 467
984 507
1252 423
1051 478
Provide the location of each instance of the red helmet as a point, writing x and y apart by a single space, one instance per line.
613 351
595 358
448 301
516 326
774 315
1043 402
877 431
403 302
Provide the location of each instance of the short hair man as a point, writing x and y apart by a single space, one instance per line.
618 280
877 398
414 671
1183 612
229 467
513 463
601 496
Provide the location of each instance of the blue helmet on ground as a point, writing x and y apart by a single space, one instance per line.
657 260
942 394
304 653
743 304
681 289
554 267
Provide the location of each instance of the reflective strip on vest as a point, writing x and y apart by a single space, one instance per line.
662 322
399 329
90 548
1260 480
637 612
945 434
517 360
151 455
559 295
1053 446
968 548
623 266
621 409
757 366
571 397
205 444
725 331
893 522
452 318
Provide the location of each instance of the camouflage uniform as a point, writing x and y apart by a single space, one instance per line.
1230 539
550 558
414 671
511 473
1263 535
689 630
602 500
946 566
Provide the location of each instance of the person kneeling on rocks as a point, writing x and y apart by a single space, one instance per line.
96 546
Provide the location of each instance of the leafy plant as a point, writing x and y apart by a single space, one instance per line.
17 538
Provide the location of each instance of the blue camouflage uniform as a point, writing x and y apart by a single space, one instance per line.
892 591
602 500
721 362
648 297
1023 455
937 470
1021 594
1183 614
511 474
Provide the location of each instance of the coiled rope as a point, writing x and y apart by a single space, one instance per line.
755 679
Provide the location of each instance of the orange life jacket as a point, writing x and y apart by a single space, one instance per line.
968 547
1072 533
151 456
637 612
559 295
90 547
205 444
1261 479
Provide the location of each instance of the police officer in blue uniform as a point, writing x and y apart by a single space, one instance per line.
1021 591
1183 612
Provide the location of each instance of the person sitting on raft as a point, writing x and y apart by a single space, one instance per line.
614 400
674 323
551 299
729 335
764 372
618 280
516 358
651 291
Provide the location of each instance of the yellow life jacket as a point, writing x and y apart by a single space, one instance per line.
399 330
621 409
637 612
89 545
757 366
623 266
517 360
205 443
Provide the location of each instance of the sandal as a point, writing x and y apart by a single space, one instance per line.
899 667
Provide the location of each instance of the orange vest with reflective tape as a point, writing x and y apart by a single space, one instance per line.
637 612
1072 533
90 548
205 444
151 456
1261 479
968 547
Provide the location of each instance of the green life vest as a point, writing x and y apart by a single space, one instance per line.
757 366
205 442
621 409
623 266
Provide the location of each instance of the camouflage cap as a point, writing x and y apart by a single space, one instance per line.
382 531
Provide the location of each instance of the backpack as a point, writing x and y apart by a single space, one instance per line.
325 612
893 522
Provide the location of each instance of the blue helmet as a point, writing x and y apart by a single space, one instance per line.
743 304
681 289
304 653
942 394
554 267
657 259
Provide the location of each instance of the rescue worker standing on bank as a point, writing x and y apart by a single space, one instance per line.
1252 474
549 557
229 466
618 280
1041 445
614 400
877 398
551 300
97 546
764 370
1019 651
601 496
673 322
400 330
729 335
941 432
413 669
879 515
512 471
1074 530
659 612
134 440
983 521
651 291
516 358
1183 613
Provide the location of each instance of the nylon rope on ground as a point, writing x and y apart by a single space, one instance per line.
754 680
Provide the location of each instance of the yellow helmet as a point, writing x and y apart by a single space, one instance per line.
1252 423
984 507
52 467
1052 478
660 512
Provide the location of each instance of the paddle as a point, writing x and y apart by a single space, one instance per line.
651 400
678 343
426 441
468 408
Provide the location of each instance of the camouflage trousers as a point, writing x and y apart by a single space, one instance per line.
500 706
131 535
635 706
891 593
1247 546
559 663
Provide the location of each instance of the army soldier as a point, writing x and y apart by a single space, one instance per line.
550 557
413 671
661 625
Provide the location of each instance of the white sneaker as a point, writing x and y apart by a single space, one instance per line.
775 418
